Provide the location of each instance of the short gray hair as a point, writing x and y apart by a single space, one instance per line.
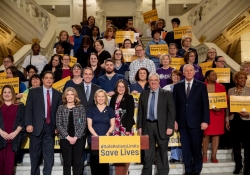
186 65
153 74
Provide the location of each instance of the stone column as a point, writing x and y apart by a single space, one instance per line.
99 14
138 19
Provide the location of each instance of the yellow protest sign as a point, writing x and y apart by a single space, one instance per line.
10 81
174 140
136 102
119 149
73 60
248 81
120 36
206 65
60 84
239 103
217 100
223 74
26 143
129 54
157 49
180 31
176 63
3 75
150 16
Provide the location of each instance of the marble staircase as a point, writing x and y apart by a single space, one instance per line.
225 166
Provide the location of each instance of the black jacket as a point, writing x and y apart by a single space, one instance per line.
127 103
83 57
19 121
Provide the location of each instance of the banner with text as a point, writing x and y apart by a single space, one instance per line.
60 84
239 103
26 144
157 49
223 74
119 149
174 140
120 36
129 54
217 100
180 31
150 16
10 81
205 66
176 63
3 75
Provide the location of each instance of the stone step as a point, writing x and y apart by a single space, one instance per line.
224 166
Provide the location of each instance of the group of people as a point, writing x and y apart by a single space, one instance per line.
170 100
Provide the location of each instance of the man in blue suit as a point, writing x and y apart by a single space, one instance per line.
192 117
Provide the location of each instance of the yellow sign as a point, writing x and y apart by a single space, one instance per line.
248 81
217 100
129 55
10 81
60 84
223 74
136 102
180 31
3 75
119 149
239 103
176 63
205 66
120 36
174 140
157 49
150 16
26 143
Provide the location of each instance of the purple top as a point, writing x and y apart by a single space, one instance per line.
9 115
198 72
165 75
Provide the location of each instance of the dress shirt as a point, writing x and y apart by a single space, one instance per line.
137 64
156 103
186 85
85 87
45 98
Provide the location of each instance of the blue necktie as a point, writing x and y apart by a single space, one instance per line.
87 93
152 107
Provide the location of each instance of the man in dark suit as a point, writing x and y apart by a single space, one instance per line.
40 121
156 116
86 92
192 117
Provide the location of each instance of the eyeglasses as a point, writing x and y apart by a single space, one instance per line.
66 59
118 54
221 61
139 50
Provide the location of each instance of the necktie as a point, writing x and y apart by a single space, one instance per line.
152 107
48 108
188 89
87 93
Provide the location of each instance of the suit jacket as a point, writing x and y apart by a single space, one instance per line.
165 112
62 121
35 110
82 96
127 103
192 110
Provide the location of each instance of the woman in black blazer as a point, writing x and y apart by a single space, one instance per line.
123 104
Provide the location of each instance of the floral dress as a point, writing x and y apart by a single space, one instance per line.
119 129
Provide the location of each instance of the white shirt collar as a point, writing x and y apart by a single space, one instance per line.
191 83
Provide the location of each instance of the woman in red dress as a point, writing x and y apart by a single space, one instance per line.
217 118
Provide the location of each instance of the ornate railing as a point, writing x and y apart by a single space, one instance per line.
44 23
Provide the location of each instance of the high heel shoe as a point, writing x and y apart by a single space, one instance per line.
204 160
214 160
238 168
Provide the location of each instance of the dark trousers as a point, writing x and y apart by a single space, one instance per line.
96 167
7 158
239 130
191 143
162 157
72 155
42 144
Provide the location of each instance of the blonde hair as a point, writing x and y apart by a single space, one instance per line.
243 64
162 57
184 37
76 98
105 94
